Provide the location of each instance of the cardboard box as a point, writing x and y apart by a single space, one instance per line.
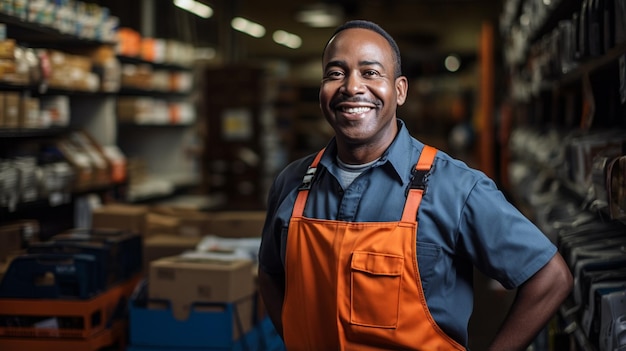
157 224
185 281
11 109
237 224
130 218
7 49
178 221
165 245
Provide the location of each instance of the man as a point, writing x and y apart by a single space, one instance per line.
343 263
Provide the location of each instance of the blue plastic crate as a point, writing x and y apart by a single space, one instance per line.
208 325
51 276
262 337
250 342
268 337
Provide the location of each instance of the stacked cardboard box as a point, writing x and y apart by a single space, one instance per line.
195 302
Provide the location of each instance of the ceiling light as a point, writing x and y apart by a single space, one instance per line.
321 15
245 26
195 7
287 39
204 53
452 63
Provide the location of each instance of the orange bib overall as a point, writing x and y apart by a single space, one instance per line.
356 286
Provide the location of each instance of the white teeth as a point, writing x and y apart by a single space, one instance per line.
357 110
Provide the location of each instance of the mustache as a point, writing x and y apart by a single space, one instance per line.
354 99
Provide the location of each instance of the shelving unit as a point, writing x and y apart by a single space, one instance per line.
567 116
163 117
36 141
160 151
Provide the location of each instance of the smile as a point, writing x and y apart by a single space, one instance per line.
356 110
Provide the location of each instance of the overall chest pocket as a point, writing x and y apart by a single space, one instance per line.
375 281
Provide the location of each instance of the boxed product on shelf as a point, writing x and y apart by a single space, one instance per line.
70 71
17 64
11 109
153 49
182 113
30 113
118 162
87 157
128 42
137 76
7 48
187 280
55 110
134 109
180 81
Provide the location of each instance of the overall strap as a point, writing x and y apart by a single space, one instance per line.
303 190
418 183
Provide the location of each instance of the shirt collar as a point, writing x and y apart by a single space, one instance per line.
397 156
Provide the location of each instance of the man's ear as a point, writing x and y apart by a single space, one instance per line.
402 87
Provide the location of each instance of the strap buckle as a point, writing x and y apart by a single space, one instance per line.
307 180
419 177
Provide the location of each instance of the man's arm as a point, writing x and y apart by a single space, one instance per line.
536 302
272 291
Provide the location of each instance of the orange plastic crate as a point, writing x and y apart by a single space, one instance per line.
116 335
77 319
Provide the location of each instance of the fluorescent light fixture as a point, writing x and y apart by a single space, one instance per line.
320 15
246 26
287 39
195 7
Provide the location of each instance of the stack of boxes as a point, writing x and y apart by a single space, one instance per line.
148 277
200 290
195 303
70 292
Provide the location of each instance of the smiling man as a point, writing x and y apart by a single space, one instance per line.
344 264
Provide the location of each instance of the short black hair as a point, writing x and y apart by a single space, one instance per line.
378 29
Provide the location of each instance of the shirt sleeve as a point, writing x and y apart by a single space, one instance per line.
500 240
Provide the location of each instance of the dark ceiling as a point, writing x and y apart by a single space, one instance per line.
424 29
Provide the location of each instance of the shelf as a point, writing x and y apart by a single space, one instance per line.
592 65
32 132
154 93
562 10
573 327
40 35
159 188
154 125
59 198
168 66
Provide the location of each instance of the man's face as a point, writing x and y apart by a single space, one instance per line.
359 94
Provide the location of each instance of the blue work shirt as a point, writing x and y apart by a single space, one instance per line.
463 221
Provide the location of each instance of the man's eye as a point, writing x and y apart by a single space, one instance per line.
334 74
370 73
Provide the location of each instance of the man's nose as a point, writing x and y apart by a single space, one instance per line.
353 84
